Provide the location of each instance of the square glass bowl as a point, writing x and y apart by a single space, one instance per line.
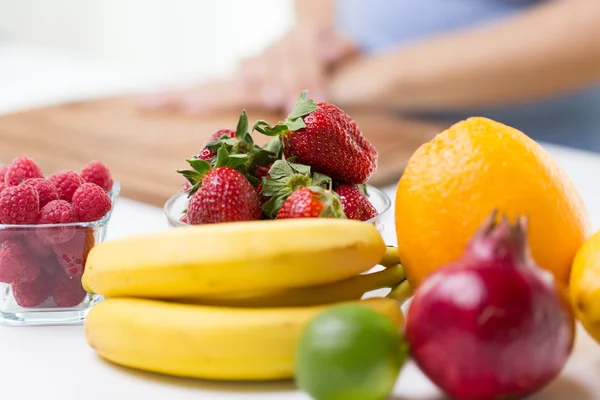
42 265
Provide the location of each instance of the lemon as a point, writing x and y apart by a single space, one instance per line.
349 352
585 286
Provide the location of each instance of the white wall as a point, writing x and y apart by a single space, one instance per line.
170 35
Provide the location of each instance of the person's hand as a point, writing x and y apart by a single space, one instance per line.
301 60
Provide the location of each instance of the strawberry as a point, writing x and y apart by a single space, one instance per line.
285 177
355 202
222 193
311 202
326 138
240 144
225 196
207 154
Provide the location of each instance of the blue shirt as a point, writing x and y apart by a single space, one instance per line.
572 119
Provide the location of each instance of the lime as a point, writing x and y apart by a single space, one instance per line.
349 352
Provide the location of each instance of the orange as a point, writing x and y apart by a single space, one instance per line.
452 183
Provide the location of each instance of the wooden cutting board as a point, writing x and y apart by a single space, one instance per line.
144 149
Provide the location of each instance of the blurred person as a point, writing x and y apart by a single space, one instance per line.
532 64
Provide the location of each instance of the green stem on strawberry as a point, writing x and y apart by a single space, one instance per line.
223 159
285 178
294 120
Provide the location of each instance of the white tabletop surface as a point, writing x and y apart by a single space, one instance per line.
55 363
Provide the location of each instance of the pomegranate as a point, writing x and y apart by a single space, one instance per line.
491 324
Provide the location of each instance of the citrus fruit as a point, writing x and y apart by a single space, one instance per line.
452 183
585 286
349 352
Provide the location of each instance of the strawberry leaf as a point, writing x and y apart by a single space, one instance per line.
254 181
199 166
222 156
280 169
321 180
241 132
303 107
274 146
300 168
266 129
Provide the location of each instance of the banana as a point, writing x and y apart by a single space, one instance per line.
346 290
217 343
233 257
391 257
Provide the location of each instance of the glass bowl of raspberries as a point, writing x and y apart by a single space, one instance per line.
48 225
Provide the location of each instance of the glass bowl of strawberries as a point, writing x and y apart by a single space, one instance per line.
48 225
314 164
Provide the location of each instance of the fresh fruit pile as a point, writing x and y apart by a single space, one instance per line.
45 259
316 166
244 309
493 237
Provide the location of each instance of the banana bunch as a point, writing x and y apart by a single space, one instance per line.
228 301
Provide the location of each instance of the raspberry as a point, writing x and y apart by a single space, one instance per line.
56 212
19 205
45 189
72 255
66 183
91 203
35 245
98 173
16 264
68 291
2 186
32 294
20 169
3 170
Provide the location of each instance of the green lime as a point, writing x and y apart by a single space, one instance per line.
349 352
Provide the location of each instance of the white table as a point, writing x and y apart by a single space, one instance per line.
55 363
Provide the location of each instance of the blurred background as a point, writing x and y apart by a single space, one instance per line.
138 43
406 69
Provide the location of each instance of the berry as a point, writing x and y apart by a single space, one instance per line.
262 172
285 178
36 246
184 219
34 293
2 186
91 203
56 212
72 255
311 202
66 183
45 189
3 170
68 291
19 205
355 203
206 154
16 263
98 173
225 195
324 137
20 169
